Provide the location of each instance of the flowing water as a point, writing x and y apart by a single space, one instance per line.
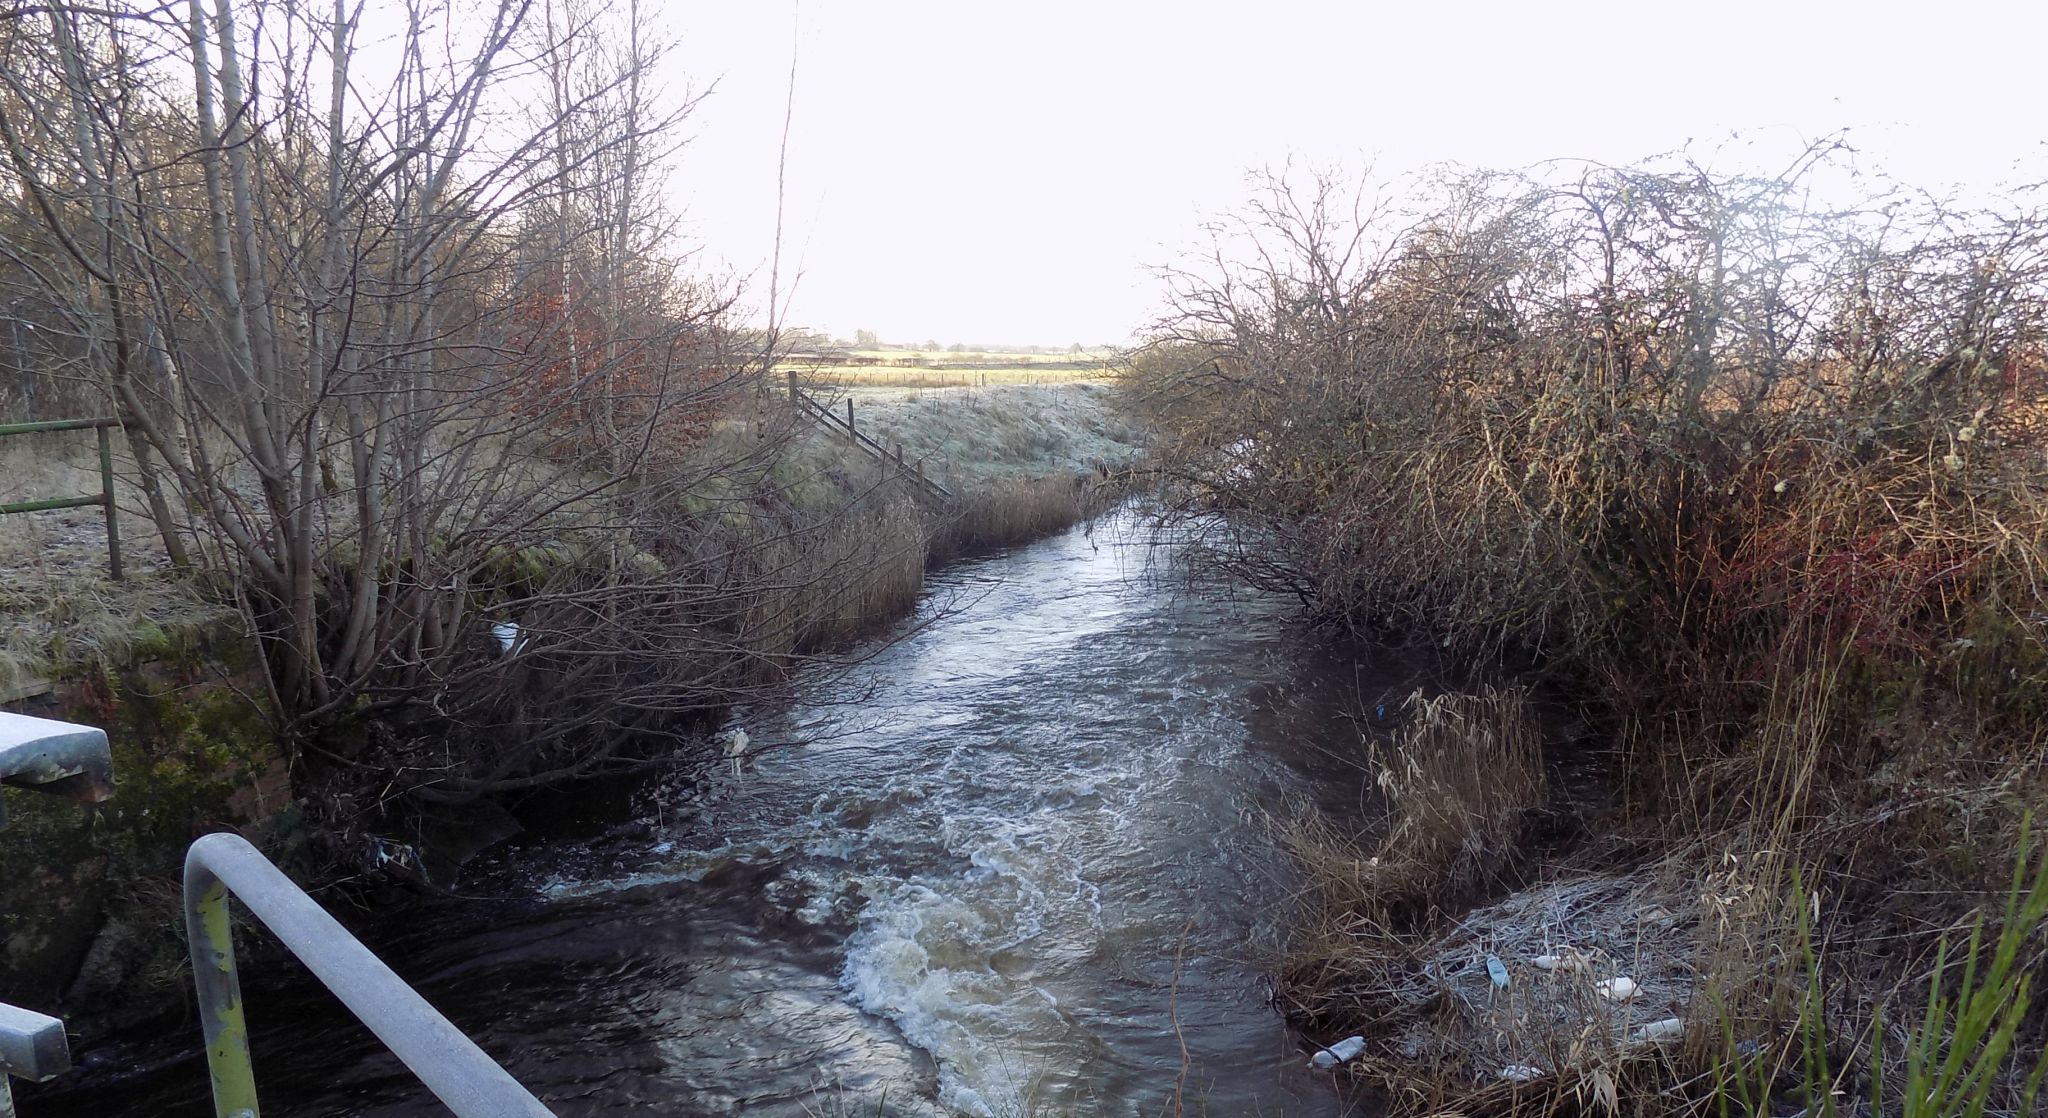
1019 862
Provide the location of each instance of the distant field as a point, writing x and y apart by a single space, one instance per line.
946 378
972 437
977 358
900 368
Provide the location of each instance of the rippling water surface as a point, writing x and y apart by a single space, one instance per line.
1029 871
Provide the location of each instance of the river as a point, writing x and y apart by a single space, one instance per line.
1018 861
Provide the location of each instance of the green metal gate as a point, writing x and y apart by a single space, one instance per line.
105 498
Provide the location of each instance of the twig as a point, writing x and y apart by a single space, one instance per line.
1180 1083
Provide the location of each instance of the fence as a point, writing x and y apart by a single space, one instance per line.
818 413
105 499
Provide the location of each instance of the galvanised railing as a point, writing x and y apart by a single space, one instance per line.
66 760
32 1047
466 1080
75 760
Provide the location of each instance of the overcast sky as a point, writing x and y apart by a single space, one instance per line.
1007 173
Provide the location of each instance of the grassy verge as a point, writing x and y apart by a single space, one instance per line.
1762 492
1025 460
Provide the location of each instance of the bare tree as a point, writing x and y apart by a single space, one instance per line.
1603 346
410 364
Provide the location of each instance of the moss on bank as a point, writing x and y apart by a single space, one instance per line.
94 932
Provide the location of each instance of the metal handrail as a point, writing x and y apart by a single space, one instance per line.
68 760
459 1073
57 757
105 499
32 1047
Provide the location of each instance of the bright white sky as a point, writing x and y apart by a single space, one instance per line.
1008 173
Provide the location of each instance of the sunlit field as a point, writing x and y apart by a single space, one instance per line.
904 368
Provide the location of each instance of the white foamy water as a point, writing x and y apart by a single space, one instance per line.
1047 795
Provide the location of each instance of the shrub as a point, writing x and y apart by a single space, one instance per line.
1760 484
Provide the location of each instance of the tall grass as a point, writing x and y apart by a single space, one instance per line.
1005 514
1459 781
1959 1057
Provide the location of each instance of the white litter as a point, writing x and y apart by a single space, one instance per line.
1343 1051
1568 960
1661 1032
1520 1073
736 748
1617 989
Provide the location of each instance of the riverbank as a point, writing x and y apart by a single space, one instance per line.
1777 582
167 666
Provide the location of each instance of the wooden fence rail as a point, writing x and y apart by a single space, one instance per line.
826 417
